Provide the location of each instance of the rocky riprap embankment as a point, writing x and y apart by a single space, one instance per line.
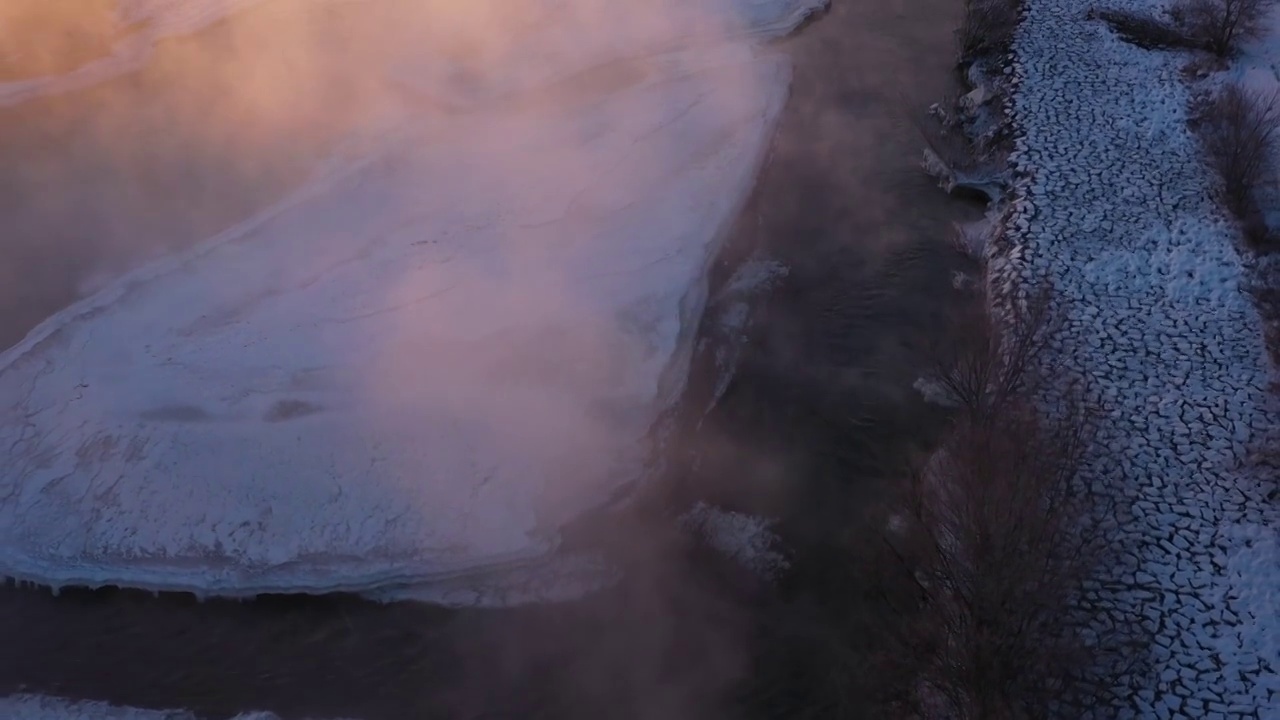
1112 207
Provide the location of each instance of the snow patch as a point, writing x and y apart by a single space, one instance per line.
747 539
935 392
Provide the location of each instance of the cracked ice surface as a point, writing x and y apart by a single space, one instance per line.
1112 207
417 369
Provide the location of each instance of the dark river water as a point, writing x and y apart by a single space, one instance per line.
819 409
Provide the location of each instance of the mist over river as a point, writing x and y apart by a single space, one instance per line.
798 398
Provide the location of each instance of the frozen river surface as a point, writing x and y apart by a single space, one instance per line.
405 378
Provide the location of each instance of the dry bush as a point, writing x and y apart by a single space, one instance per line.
993 537
1219 26
987 28
997 537
983 364
1237 128
961 592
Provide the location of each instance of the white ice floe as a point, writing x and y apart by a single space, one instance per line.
415 370
1112 206
41 707
44 707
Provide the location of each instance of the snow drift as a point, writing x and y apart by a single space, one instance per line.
412 372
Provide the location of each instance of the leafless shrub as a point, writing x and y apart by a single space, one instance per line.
1220 26
986 28
997 554
983 364
998 538
1238 129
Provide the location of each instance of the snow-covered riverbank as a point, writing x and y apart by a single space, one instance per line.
1113 208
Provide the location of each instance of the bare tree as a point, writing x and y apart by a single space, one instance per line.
1217 26
983 363
1220 25
997 536
987 27
1238 130
996 523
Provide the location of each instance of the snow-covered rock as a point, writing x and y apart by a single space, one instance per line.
416 369
1111 206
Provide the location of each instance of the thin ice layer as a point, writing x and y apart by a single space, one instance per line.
417 371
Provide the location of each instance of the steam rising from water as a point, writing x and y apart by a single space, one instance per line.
482 312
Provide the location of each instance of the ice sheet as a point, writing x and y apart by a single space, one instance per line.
486 51
415 371
44 707
155 20
466 54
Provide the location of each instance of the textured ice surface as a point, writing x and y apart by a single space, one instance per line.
42 707
417 369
